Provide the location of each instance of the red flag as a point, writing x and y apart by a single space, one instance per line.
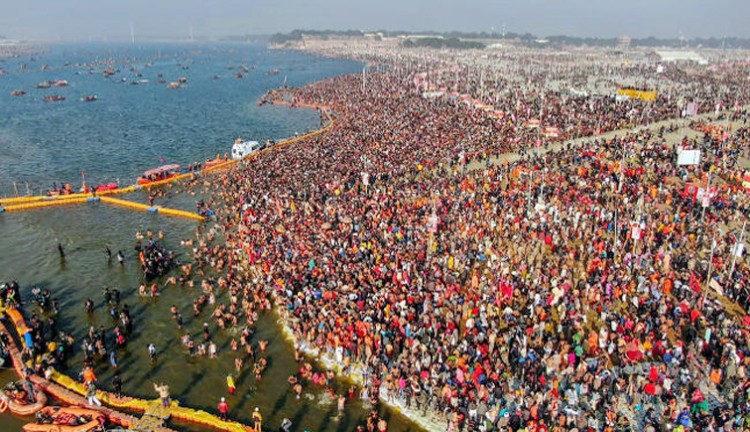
694 283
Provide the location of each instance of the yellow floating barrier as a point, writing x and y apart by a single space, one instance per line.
180 213
46 198
220 166
125 203
144 207
41 204
140 405
20 200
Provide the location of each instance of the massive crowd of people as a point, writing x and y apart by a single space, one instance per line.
565 290
581 286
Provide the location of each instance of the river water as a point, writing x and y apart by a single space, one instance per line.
129 129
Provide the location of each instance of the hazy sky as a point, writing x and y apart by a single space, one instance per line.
84 19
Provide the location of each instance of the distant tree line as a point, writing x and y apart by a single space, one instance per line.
434 42
450 38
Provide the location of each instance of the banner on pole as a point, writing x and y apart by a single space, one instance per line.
689 157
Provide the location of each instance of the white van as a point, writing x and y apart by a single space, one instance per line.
241 149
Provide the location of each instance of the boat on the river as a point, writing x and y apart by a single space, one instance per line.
14 397
218 160
54 98
66 189
158 174
17 93
66 419
99 188
106 187
174 85
241 149
89 98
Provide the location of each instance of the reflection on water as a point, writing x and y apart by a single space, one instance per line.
118 136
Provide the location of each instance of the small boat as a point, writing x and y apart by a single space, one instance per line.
241 148
139 81
89 98
66 189
44 85
274 72
158 174
59 83
218 160
66 419
182 80
217 77
106 187
17 93
15 398
54 98
238 75
173 85
108 72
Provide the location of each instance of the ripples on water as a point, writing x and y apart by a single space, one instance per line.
120 135
130 127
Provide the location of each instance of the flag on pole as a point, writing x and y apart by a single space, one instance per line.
716 286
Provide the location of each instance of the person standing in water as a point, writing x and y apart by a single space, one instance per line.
223 409
286 425
257 419
230 384
163 391
117 384
61 250
91 394
152 353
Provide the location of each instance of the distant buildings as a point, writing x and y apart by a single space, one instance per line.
680 57
623 43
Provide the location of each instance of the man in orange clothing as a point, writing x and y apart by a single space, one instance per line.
88 375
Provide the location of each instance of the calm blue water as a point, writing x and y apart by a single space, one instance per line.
131 127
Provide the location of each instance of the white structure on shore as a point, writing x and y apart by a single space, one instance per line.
681 56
